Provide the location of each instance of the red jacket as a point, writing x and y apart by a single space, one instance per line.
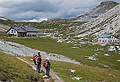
34 58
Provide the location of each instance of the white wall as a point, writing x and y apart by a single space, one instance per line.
107 40
13 32
32 34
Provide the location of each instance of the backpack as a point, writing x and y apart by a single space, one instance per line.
34 57
45 64
38 59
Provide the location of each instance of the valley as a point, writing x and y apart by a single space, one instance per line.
81 49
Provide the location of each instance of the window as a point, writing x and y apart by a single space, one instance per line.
12 31
103 40
99 40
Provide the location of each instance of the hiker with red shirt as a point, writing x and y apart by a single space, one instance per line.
38 62
47 66
34 59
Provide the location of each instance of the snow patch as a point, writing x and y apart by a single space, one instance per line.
3 18
36 20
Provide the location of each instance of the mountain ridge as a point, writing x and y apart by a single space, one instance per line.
102 8
108 22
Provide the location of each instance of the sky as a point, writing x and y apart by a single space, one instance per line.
27 10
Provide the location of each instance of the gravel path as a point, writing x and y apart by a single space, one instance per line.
21 50
52 74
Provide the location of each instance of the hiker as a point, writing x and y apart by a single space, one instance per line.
38 62
34 59
47 66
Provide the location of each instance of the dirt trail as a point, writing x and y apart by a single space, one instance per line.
52 74
21 50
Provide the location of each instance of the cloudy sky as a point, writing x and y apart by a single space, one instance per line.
40 9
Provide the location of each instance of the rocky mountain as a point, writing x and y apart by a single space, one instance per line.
5 23
108 22
82 34
99 10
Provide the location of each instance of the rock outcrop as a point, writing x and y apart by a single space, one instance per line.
108 22
99 10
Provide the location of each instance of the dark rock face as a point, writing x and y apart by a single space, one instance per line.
105 6
108 3
99 10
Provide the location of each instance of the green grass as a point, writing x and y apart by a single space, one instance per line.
51 46
104 60
7 22
88 73
3 35
13 69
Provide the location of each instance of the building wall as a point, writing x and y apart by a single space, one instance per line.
32 34
12 32
107 40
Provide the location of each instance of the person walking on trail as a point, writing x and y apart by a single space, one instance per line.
34 59
47 67
38 62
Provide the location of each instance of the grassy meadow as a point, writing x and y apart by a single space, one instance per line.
13 69
51 46
85 72
105 68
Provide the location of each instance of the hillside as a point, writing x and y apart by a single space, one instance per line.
79 54
13 70
106 18
85 33
51 24
97 11
93 70
5 23
108 22
84 72
70 43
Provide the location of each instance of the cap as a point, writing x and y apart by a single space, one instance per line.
47 58
38 53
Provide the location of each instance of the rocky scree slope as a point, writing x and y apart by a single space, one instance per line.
99 10
108 22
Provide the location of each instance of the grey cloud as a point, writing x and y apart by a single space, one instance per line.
39 6
29 10
36 9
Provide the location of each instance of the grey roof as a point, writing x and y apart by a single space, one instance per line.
30 29
105 35
25 29
19 29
